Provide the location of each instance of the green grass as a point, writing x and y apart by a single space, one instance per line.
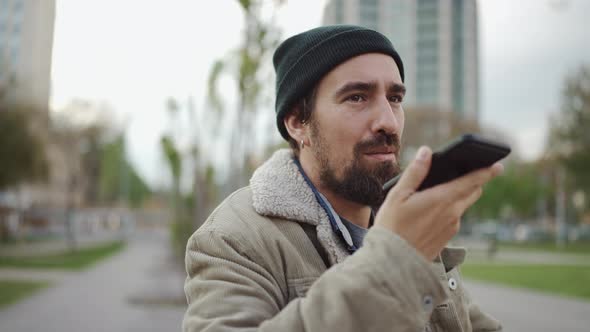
569 248
70 260
569 280
12 291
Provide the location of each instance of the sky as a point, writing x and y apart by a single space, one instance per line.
135 54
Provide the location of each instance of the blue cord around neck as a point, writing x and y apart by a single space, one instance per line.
332 216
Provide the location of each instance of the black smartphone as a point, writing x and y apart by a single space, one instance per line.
467 153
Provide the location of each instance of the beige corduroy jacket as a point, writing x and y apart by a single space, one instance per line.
251 267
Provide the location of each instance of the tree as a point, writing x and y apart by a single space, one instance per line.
22 149
92 163
118 181
246 66
174 160
181 226
569 138
93 147
260 38
432 126
517 192
22 146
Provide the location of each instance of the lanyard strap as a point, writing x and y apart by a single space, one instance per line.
337 225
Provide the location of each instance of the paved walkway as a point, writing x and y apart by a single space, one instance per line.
58 245
140 290
523 311
53 276
477 251
123 293
524 257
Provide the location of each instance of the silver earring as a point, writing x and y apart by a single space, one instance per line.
302 145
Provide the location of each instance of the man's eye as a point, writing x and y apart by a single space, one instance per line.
396 99
355 98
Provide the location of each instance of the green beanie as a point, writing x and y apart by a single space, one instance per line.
302 60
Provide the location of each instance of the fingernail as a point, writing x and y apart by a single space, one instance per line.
422 153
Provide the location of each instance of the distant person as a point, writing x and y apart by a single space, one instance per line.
492 246
303 248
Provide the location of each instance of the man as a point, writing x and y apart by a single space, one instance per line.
301 248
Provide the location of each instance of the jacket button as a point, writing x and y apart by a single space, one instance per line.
427 303
452 284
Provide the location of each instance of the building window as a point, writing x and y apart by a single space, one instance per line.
338 11
16 29
368 3
427 49
3 6
369 14
17 6
457 57
14 55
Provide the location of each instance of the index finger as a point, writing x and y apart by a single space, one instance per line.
464 185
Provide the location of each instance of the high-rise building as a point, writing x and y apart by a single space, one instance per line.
26 40
437 40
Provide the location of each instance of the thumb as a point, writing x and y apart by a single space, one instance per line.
415 173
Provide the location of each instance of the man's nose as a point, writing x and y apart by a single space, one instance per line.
385 118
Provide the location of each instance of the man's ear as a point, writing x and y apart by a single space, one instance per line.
297 129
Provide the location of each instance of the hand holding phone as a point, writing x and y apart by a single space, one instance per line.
463 155
428 219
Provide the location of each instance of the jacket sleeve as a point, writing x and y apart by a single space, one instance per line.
386 285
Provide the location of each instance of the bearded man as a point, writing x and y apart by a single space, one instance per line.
303 247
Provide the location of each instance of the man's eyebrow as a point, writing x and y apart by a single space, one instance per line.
397 88
355 86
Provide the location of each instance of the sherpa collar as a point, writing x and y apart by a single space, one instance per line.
279 190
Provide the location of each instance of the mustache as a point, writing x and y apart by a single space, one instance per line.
380 140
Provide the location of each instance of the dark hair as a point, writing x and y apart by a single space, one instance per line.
302 111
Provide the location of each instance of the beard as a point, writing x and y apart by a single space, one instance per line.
361 182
